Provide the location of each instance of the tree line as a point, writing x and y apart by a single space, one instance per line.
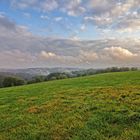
10 81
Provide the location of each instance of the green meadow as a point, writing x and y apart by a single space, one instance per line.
98 107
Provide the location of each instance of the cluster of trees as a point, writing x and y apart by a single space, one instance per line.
9 81
52 76
98 71
116 69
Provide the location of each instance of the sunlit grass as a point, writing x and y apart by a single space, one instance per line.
101 107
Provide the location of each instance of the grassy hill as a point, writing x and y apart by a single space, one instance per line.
99 107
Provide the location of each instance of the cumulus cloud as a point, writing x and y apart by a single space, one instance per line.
8 27
44 5
114 14
119 53
88 56
48 5
130 23
71 7
82 57
16 58
58 18
49 55
19 47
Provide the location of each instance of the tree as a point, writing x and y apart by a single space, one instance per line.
134 69
1 81
12 81
56 76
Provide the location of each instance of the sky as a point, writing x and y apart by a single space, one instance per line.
69 33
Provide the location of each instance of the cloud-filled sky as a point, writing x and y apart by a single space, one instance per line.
69 33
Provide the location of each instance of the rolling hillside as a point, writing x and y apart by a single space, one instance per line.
99 107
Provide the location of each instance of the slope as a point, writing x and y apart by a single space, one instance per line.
99 107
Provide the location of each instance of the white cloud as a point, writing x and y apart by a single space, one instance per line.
43 5
58 18
87 18
99 4
122 15
44 17
129 24
77 11
119 53
48 5
19 47
83 27
48 55
75 38
16 58
88 56
82 57
101 13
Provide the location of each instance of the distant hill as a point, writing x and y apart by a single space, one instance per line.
34 75
29 73
39 71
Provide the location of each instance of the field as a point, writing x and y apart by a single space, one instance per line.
99 107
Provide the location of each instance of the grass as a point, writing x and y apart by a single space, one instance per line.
99 107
